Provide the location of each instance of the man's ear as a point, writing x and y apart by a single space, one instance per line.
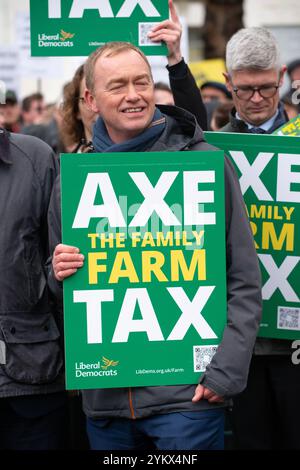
227 81
282 73
90 101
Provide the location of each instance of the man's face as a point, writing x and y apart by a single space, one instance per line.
11 113
209 94
123 94
35 114
38 109
257 109
163 97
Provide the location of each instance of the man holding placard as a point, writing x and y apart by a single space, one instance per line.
266 414
120 90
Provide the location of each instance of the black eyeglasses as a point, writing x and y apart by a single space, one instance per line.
81 98
246 93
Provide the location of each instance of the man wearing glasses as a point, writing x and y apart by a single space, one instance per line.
267 414
254 77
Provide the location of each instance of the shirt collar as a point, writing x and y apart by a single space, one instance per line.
266 126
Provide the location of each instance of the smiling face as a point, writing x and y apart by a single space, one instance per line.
257 109
123 94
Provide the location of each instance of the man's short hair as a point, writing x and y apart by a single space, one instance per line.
252 48
28 100
110 49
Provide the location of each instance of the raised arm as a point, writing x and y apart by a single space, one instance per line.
183 85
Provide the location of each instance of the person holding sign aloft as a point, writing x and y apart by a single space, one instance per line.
185 91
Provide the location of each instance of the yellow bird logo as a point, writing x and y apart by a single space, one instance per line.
108 363
65 35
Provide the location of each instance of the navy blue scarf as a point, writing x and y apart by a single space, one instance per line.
103 143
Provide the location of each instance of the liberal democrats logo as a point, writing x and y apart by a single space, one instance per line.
97 369
61 39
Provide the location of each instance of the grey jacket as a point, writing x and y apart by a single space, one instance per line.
31 360
227 373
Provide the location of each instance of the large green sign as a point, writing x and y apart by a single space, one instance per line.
269 171
78 27
149 305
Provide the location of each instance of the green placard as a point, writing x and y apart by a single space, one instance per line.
77 28
290 128
149 305
269 171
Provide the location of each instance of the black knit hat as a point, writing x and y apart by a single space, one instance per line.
218 85
11 97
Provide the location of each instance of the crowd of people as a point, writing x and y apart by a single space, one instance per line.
254 378
67 126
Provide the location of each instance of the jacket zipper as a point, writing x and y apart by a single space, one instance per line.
131 404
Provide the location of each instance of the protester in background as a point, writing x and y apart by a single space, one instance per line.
254 76
292 109
32 397
214 91
267 414
33 108
220 116
12 112
120 90
49 132
184 88
77 118
49 113
163 94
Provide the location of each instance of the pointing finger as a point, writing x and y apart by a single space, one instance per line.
173 12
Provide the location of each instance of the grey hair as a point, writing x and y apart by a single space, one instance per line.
252 48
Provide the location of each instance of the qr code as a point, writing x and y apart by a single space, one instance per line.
202 357
144 29
288 318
